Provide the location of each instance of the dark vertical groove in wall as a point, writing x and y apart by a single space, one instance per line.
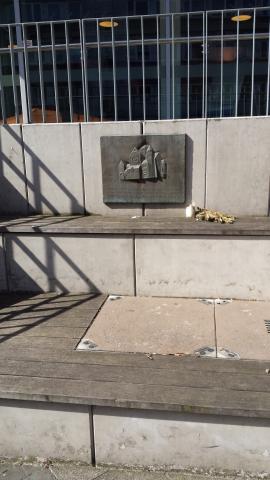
134 266
215 328
5 261
205 163
92 435
142 128
24 171
81 152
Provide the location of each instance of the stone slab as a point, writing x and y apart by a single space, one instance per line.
201 266
195 131
34 429
170 149
73 264
13 199
3 276
143 438
241 328
91 133
238 167
54 168
153 325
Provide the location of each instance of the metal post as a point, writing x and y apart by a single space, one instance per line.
55 82
158 69
41 80
253 58
13 73
237 67
84 72
206 65
188 64
21 66
143 69
27 74
268 75
221 63
128 70
203 75
69 73
99 73
173 69
114 73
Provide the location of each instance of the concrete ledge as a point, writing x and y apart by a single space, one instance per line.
74 264
143 438
33 429
232 267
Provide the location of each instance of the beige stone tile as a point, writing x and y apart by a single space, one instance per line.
241 328
156 325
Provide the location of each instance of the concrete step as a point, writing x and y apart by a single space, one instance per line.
136 256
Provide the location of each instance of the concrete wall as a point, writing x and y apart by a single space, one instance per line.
134 437
143 438
34 429
57 168
166 266
70 263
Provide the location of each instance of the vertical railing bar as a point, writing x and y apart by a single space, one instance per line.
55 82
99 73
268 75
114 74
27 75
143 69
188 64
2 95
221 63
128 70
13 72
206 65
253 59
173 69
237 67
203 75
41 80
84 72
69 73
158 67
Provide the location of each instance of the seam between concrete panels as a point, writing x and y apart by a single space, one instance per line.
24 170
82 167
205 162
142 128
134 266
92 435
5 262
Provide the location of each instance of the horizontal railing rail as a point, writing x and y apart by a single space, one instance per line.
195 64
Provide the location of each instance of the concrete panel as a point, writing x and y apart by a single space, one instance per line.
91 134
70 263
12 175
34 429
233 267
143 438
54 168
3 283
195 167
238 167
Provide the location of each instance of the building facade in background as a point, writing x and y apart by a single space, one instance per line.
102 60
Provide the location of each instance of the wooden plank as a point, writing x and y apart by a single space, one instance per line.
96 225
137 375
45 352
62 320
42 331
27 342
171 398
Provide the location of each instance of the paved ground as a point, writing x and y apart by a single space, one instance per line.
181 325
62 471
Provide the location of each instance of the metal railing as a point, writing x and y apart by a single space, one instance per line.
179 65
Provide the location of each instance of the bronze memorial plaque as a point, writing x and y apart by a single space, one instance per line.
143 168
